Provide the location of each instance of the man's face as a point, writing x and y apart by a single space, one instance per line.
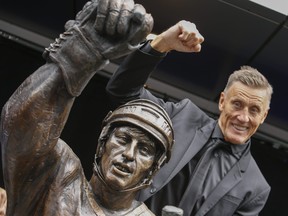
242 109
128 156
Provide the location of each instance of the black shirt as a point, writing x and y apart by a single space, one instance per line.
221 159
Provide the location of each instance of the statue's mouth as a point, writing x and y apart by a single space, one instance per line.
123 168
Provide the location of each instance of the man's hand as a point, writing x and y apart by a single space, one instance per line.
182 37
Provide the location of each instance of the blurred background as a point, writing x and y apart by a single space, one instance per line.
237 32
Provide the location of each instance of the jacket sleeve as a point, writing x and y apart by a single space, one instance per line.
127 83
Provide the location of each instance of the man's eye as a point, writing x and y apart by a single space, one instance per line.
254 110
237 104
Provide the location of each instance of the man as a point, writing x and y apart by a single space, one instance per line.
211 171
42 174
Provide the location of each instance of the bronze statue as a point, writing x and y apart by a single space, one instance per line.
42 175
3 202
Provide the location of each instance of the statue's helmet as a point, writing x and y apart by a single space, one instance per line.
147 116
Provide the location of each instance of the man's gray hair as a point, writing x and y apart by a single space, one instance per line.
250 77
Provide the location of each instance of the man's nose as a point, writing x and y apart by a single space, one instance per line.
244 115
130 151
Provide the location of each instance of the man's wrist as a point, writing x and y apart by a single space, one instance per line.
159 44
148 49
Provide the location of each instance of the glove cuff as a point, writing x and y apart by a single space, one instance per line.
77 58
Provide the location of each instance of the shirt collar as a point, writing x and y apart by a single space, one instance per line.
235 149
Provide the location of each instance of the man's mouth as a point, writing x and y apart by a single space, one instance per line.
239 128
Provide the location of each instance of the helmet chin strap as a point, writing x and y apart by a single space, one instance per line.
97 171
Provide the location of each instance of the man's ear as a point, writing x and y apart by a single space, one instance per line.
264 116
221 101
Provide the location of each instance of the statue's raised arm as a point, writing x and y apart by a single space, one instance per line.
37 164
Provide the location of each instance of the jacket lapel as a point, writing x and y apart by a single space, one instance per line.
232 178
181 155
201 137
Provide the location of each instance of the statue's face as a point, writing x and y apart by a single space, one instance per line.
127 158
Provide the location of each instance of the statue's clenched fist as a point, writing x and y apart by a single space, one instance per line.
123 18
103 30
114 27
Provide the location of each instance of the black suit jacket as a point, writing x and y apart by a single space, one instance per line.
243 191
